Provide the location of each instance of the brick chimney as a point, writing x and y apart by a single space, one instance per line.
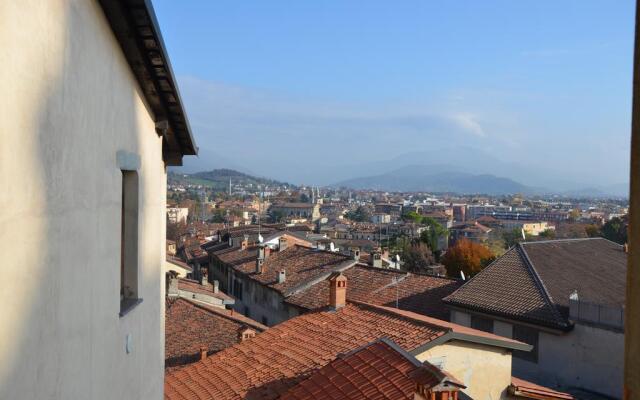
203 352
282 243
204 281
337 290
245 333
259 265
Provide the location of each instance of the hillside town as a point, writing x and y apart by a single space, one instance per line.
129 278
277 263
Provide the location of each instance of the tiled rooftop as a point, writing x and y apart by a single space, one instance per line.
190 325
379 370
536 279
268 365
192 286
302 265
418 293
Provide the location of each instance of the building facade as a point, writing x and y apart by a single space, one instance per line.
85 145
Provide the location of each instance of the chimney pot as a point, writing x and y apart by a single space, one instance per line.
259 265
216 286
172 283
282 243
245 242
282 276
203 352
245 333
337 291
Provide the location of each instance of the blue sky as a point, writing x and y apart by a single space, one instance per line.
282 87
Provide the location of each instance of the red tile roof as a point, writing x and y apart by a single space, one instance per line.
379 370
418 293
190 325
525 389
271 363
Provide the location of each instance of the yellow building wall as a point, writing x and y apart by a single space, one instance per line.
484 370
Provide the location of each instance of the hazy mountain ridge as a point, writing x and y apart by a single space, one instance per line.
439 178
219 178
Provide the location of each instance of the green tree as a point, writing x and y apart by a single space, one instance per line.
360 214
615 230
548 234
512 237
417 257
432 235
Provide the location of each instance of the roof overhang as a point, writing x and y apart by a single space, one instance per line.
465 337
135 26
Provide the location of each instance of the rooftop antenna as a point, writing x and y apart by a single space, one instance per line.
259 224
229 187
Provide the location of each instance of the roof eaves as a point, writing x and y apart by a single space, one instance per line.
136 28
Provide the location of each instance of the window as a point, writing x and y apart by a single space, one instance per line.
529 336
129 242
482 324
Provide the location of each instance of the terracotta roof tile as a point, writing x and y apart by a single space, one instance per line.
190 325
536 391
418 293
274 361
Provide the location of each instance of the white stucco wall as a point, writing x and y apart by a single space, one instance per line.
70 103
484 370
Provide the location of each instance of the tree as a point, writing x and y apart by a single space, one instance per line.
431 236
512 237
548 234
417 257
412 216
304 198
360 214
468 257
615 230
592 230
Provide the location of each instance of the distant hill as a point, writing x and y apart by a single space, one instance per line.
219 179
436 178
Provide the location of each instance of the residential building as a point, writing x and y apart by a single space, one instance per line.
92 122
473 231
381 218
564 297
305 211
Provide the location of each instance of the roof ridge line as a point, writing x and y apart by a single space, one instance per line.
390 311
541 286
254 324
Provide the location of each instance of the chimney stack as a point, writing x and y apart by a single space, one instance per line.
355 253
172 283
203 277
337 290
216 286
259 265
245 242
376 258
282 243
203 353
245 333
282 276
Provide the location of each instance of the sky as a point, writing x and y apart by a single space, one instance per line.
310 91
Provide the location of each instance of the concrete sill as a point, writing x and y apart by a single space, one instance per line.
127 305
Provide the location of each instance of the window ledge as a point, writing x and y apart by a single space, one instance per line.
127 305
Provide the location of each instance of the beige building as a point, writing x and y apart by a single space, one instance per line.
91 118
